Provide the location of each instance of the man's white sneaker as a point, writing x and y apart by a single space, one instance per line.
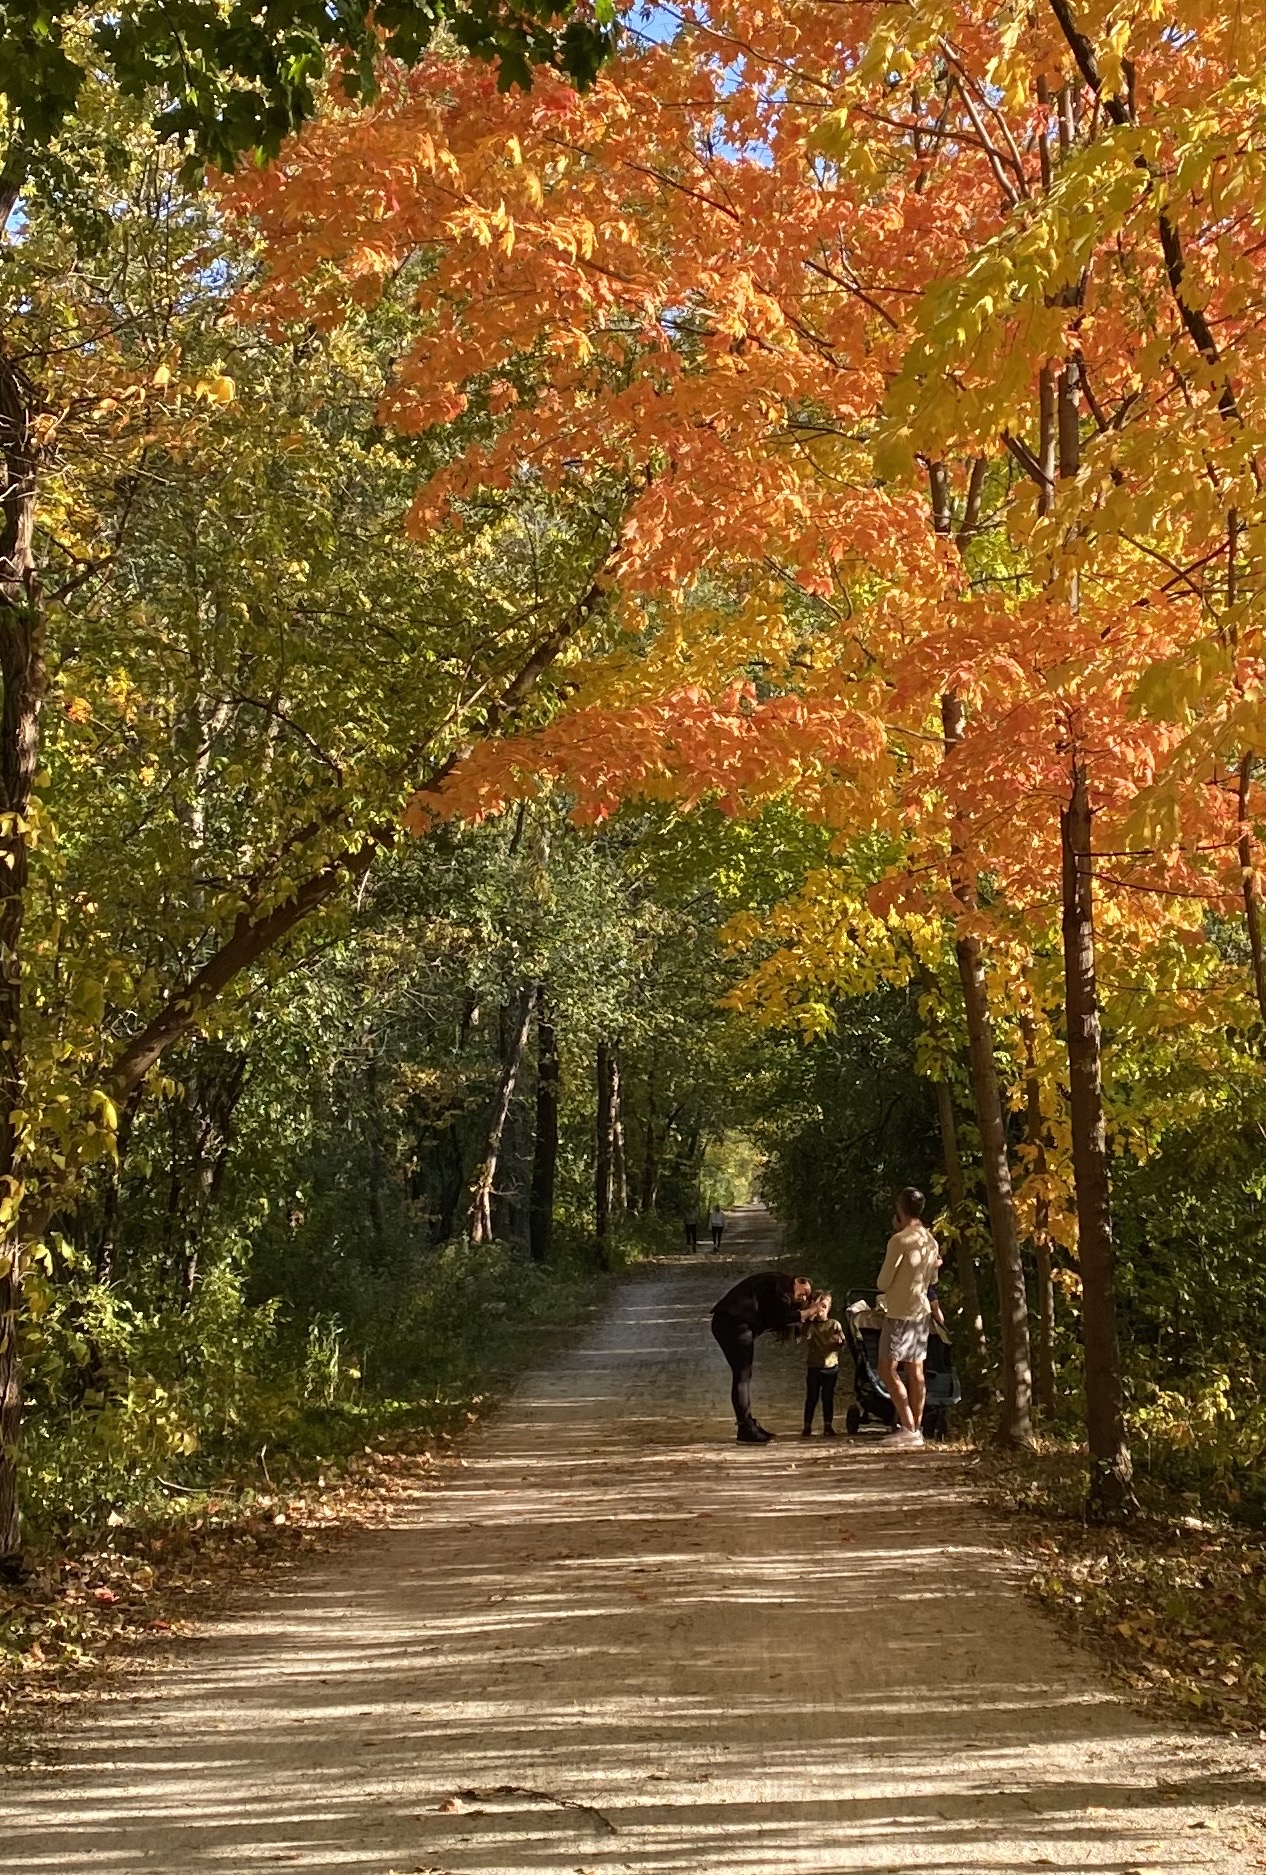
903 1440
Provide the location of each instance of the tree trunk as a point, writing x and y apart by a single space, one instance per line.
604 1161
104 1260
212 1091
480 1224
454 1183
377 1174
619 1170
964 1261
1110 1475
1249 886
1047 401
1036 1127
955 1186
1013 1303
545 1146
22 670
649 1171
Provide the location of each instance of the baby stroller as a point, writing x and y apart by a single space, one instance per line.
863 1323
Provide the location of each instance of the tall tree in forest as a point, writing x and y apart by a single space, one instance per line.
545 1138
607 1086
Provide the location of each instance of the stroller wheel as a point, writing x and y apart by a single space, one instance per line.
853 1419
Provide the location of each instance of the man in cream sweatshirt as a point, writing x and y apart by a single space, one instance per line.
908 1273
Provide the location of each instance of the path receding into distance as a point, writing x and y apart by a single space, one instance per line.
646 1649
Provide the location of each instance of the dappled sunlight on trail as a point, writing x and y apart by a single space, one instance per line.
622 1643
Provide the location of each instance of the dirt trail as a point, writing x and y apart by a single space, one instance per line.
646 1649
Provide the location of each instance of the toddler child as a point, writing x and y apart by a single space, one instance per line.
824 1338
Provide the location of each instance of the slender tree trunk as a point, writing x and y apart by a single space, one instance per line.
211 1096
104 1260
22 671
454 1184
1110 1490
648 1147
1047 401
1013 1302
956 1191
480 1224
955 1187
376 1170
1249 885
545 1145
619 1169
604 1160
1013 1313
1036 1127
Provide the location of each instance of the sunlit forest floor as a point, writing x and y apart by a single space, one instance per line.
616 1641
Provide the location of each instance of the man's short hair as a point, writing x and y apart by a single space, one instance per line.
911 1201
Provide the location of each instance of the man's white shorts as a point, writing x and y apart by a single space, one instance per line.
904 1338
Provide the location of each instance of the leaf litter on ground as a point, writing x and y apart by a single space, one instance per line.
1171 1603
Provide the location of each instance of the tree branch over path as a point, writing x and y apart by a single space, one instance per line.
259 928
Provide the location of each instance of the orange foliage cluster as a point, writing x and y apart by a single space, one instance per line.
773 279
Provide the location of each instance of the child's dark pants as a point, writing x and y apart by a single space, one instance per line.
820 1385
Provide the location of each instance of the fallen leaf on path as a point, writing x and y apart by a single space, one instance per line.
450 1805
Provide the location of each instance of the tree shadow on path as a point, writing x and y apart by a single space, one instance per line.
622 1643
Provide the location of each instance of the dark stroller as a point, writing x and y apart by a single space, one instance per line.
872 1401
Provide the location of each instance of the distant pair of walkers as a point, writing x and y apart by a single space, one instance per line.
716 1225
772 1299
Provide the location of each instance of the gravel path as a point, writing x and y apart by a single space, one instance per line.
636 1646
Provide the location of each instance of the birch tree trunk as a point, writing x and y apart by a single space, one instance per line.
485 1182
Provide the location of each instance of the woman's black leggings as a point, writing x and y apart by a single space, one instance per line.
738 1344
820 1385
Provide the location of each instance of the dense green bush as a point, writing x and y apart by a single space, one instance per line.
170 1402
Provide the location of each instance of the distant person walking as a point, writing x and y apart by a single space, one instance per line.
716 1224
908 1273
692 1230
769 1299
